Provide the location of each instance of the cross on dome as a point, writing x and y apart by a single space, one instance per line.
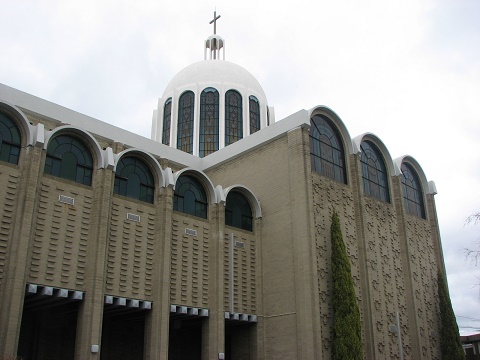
214 21
214 42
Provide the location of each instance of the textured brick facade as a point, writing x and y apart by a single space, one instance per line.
107 245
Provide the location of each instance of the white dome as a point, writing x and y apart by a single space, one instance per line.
245 112
222 75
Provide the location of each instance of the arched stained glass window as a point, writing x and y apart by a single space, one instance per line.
326 149
190 197
10 140
209 110
134 179
185 122
167 118
69 158
233 117
374 173
238 212
254 114
412 191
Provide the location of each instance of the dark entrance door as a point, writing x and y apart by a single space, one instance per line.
239 340
185 339
123 336
48 331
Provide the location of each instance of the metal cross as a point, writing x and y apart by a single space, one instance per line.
214 21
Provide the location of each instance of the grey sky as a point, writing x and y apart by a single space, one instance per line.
408 71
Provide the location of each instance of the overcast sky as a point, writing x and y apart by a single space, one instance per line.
408 71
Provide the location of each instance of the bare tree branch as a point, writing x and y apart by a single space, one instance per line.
474 218
470 254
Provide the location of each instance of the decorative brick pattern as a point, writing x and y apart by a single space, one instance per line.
424 279
281 274
244 273
328 196
60 237
8 186
130 250
189 262
386 277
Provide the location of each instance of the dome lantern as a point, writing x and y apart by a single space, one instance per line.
214 42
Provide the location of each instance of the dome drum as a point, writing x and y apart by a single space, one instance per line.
251 111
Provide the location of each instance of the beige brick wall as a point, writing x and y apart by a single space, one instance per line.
385 277
130 254
9 179
190 262
244 272
60 239
265 171
329 195
424 277
282 274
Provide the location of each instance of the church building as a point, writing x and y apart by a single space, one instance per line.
211 240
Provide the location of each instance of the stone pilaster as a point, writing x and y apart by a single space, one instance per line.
157 322
90 316
13 286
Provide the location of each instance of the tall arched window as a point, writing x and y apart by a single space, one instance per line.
412 191
69 158
10 140
167 118
185 122
233 117
326 149
190 197
254 114
238 212
374 173
209 110
134 179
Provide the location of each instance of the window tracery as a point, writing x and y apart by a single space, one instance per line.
374 173
233 117
167 119
326 149
186 105
209 122
10 140
412 191
69 158
238 212
190 197
134 179
254 114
